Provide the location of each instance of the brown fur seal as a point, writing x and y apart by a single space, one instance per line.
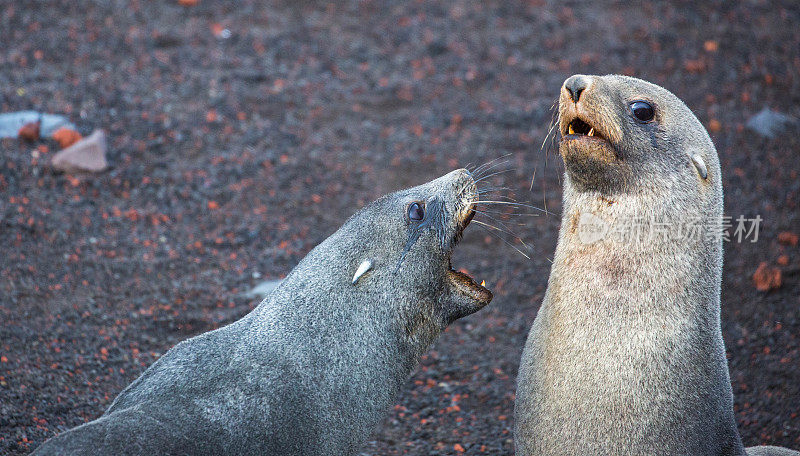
626 355
313 368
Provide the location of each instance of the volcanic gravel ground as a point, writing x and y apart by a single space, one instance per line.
243 133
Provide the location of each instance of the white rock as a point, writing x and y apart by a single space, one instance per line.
86 155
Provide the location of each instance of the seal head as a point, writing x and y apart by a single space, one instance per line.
620 134
411 236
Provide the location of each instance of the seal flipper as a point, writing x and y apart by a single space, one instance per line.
132 431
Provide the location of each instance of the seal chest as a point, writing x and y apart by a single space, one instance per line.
626 354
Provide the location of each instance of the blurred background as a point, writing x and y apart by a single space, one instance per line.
238 135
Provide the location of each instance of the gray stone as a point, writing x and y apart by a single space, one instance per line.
768 122
263 289
11 122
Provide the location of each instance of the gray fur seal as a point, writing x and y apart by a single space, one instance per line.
626 356
314 367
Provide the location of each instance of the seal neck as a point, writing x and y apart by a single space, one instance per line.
634 324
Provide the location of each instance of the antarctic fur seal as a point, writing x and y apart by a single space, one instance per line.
626 354
313 368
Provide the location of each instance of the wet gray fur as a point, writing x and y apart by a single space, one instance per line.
311 370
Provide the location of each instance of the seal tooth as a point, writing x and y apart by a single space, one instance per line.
591 131
570 130
365 266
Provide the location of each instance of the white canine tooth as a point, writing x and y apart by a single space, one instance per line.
591 131
570 130
365 266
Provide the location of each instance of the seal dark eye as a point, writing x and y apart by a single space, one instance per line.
642 110
416 212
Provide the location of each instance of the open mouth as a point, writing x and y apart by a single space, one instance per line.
578 129
463 282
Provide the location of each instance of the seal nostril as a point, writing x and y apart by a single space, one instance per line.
575 94
575 86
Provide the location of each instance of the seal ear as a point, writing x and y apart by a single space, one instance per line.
365 266
700 165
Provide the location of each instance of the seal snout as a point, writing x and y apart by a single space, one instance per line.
466 198
577 127
577 110
586 130
576 85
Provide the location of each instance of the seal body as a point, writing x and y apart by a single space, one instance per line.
313 368
626 354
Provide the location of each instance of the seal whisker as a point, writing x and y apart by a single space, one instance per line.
508 229
481 167
514 214
510 203
499 220
533 176
509 199
548 140
481 225
494 166
494 174
491 189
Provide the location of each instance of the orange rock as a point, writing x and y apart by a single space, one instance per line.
767 277
29 131
66 137
188 2
783 260
459 448
695 66
788 238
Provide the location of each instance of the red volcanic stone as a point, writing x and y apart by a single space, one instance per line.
66 137
788 238
29 131
767 277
